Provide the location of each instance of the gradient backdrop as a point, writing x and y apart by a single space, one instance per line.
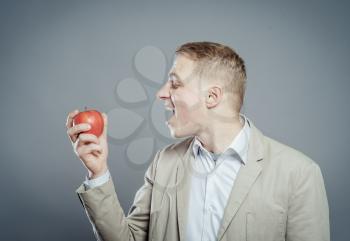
56 56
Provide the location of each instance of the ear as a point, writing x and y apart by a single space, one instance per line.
213 96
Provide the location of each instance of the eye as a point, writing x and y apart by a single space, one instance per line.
173 85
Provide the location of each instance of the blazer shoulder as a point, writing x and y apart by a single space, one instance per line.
287 156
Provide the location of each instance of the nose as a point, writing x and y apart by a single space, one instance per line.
164 92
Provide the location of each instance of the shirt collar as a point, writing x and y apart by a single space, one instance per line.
239 144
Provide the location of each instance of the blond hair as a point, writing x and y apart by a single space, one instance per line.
215 61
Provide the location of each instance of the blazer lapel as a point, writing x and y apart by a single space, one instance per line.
245 178
183 188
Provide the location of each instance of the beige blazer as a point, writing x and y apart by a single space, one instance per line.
278 195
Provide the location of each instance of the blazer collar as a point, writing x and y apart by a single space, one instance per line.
183 188
245 179
243 183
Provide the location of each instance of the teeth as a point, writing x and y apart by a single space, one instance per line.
170 109
167 108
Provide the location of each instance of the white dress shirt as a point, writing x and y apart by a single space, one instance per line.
91 183
212 179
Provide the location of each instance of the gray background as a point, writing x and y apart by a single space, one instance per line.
60 55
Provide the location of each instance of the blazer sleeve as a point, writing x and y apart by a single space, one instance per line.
107 217
308 212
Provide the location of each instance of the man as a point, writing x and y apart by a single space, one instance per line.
225 181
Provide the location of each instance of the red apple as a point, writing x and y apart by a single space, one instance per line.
92 117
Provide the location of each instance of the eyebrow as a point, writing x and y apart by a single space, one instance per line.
176 76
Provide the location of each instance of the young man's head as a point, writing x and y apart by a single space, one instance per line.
205 88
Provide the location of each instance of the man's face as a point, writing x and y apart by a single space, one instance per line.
181 93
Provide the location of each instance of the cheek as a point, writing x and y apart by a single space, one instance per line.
187 106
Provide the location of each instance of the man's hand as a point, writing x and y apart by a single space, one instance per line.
91 150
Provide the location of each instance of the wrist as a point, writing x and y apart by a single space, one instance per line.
92 175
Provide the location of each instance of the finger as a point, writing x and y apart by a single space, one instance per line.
74 131
85 138
89 149
105 125
69 121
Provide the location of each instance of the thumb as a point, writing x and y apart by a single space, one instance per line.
105 124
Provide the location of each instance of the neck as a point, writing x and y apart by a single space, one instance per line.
217 136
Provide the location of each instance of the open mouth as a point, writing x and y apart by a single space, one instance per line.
169 113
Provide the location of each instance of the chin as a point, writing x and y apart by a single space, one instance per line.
177 134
